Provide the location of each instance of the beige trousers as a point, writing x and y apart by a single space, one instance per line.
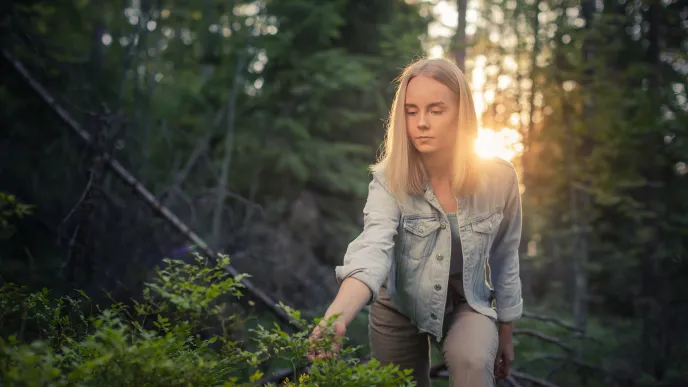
469 344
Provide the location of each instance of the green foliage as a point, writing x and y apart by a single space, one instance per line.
164 340
11 208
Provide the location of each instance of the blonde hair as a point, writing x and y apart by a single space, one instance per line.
400 162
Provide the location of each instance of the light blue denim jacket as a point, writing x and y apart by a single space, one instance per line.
409 247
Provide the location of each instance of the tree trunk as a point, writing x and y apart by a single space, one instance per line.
580 200
228 146
460 43
654 334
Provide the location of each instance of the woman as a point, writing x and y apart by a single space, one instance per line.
440 225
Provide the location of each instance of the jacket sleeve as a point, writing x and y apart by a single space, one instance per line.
369 257
504 257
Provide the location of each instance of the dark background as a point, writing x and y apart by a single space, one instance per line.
254 123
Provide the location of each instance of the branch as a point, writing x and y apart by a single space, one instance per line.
582 364
81 199
544 337
144 193
532 379
578 333
188 201
229 144
440 371
198 150
512 381
279 376
553 320
237 197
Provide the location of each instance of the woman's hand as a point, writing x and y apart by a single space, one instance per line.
505 352
352 296
324 336
327 340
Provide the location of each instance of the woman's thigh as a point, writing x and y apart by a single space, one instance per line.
470 348
395 339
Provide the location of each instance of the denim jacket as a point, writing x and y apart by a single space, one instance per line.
409 247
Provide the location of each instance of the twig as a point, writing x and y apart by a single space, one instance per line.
512 381
216 228
210 166
553 320
81 199
554 370
512 374
440 371
198 150
279 376
166 135
72 241
188 201
532 379
582 364
144 193
251 196
577 332
239 198
544 337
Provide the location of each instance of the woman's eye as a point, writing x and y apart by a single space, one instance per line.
410 113
436 112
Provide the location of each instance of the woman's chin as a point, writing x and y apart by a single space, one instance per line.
425 149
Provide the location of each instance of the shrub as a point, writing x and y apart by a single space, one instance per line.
180 332
10 209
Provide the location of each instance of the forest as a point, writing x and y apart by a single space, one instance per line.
178 180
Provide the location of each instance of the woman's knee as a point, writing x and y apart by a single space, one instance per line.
469 368
471 361
470 347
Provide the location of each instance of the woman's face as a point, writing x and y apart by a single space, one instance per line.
432 115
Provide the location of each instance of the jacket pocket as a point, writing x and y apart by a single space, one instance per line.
484 229
419 236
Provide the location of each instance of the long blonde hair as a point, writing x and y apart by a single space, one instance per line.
400 161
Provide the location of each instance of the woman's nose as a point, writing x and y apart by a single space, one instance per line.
423 122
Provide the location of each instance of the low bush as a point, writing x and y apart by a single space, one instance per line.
183 331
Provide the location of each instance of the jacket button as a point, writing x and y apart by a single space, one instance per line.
438 287
433 316
440 257
443 225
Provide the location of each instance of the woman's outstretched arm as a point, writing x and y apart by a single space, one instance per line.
369 257
366 263
351 298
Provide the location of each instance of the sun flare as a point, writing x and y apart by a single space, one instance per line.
504 143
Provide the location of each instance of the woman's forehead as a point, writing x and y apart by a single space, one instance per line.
423 90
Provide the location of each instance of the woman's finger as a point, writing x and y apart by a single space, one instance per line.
505 368
499 367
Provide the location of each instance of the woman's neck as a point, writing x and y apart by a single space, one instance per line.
438 167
